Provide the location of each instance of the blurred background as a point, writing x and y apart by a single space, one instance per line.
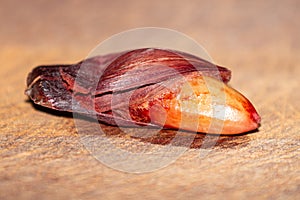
234 27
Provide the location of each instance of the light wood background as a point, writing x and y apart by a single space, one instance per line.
42 156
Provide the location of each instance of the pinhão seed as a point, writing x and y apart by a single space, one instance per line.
148 87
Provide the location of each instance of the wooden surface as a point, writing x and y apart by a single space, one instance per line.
42 156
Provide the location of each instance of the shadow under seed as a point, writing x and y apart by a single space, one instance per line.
159 136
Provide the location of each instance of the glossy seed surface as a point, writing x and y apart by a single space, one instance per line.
148 87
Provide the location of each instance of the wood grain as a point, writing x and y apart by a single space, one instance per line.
42 153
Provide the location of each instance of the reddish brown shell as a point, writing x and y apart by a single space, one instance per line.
116 88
